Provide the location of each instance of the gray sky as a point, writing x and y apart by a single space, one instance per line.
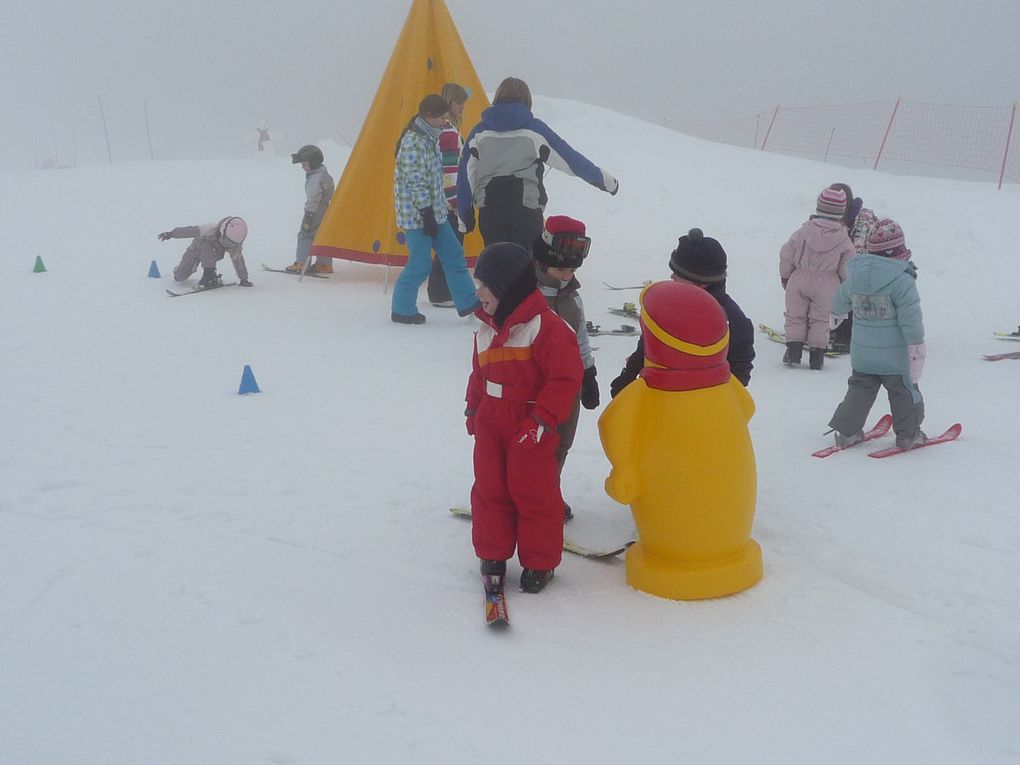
208 70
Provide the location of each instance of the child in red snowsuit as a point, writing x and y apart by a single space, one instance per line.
526 375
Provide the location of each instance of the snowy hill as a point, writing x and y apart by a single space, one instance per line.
192 576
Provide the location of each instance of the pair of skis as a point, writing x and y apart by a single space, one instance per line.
629 310
883 426
609 286
494 587
292 273
1001 356
778 337
196 290
594 330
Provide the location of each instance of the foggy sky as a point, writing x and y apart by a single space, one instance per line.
208 71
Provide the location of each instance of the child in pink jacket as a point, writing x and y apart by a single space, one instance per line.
812 265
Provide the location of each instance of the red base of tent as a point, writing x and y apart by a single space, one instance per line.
375 258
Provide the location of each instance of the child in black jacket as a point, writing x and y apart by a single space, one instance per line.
701 261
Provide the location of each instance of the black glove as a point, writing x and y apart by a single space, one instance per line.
428 221
244 283
165 235
468 218
619 383
306 222
589 389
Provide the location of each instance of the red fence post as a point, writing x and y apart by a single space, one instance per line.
768 132
1005 153
888 127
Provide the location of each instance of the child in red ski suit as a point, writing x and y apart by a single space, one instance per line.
526 375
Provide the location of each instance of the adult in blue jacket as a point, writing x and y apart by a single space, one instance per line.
887 342
503 164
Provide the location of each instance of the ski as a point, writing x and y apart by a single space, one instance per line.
196 290
285 271
951 434
629 310
1001 356
496 613
878 430
594 330
778 337
568 545
636 287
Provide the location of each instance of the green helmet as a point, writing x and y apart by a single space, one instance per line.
310 154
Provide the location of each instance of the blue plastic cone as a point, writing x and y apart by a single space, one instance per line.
248 384
154 271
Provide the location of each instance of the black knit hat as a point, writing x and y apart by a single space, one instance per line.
699 258
508 271
500 265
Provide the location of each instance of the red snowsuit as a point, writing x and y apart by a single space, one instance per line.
531 366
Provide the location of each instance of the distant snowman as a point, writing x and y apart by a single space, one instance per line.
263 141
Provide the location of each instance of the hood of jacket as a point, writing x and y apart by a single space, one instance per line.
527 309
869 274
511 115
551 286
824 235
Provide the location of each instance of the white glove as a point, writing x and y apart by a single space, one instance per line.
835 321
916 354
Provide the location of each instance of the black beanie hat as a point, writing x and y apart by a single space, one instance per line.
699 258
500 265
508 271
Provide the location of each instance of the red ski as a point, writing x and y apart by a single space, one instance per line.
951 434
496 614
1001 356
879 429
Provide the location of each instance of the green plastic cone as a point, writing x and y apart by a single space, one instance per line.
39 267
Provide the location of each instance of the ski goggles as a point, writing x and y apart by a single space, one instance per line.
570 245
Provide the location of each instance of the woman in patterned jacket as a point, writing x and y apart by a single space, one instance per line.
421 212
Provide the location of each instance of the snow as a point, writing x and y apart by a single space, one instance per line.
192 576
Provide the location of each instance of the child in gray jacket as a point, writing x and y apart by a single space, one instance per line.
209 243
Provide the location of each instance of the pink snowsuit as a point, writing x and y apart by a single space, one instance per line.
812 265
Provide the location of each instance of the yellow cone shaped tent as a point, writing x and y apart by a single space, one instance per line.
360 223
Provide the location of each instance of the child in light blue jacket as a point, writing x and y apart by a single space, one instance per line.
887 344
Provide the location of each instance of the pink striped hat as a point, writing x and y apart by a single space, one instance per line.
831 204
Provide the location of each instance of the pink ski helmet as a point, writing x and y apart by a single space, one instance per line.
233 231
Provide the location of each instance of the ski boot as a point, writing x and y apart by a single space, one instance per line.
321 268
912 441
209 279
534 580
793 353
494 573
816 357
853 438
295 267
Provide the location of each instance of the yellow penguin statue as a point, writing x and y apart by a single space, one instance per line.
681 453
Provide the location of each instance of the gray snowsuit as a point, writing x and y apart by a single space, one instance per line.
206 249
565 300
319 188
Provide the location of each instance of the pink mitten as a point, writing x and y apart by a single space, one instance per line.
916 355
